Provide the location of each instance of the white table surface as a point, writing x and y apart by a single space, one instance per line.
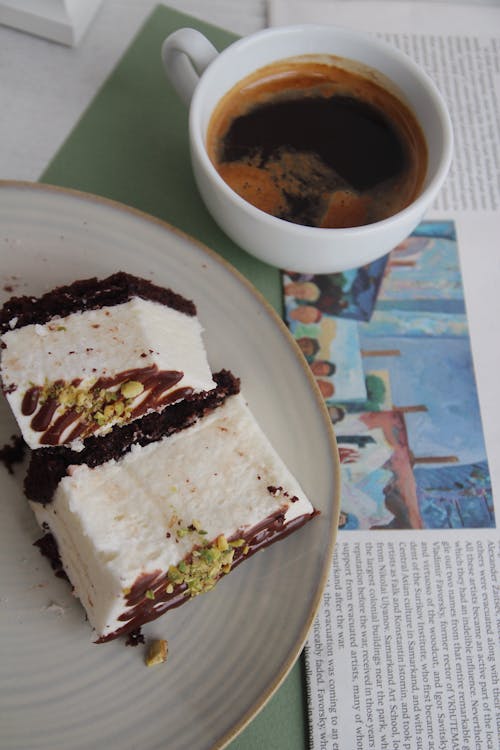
45 87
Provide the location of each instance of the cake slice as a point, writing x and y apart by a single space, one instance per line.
158 511
96 353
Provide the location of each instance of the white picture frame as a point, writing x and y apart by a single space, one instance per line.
63 21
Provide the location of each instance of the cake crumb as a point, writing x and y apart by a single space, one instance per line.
157 652
134 638
12 453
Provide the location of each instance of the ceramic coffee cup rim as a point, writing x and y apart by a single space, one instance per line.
422 201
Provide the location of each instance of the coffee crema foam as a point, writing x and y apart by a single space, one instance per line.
318 144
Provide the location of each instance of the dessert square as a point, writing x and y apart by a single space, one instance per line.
93 354
163 522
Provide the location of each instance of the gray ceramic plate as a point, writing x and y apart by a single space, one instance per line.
229 650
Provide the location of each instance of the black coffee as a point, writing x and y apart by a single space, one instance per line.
317 144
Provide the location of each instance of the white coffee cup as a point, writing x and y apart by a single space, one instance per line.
201 75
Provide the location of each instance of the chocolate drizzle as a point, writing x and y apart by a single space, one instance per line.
30 400
43 417
53 433
148 598
157 393
148 376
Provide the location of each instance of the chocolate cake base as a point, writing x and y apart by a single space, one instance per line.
87 294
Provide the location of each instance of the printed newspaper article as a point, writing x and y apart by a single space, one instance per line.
405 651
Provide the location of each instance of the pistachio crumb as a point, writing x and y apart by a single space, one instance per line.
150 594
174 574
222 542
237 543
119 408
157 652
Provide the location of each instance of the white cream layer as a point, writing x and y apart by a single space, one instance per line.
111 522
94 343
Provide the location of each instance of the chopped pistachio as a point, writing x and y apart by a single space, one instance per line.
208 554
237 543
91 404
222 542
169 589
131 389
201 570
174 574
150 594
246 549
80 398
119 408
67 396
157 652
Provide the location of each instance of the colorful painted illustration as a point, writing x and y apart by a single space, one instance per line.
402 393
350 294
322 342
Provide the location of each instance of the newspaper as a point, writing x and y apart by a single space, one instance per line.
405 651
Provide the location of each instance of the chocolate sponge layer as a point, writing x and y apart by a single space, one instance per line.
87 294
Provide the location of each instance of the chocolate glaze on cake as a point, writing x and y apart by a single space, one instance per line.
87 294
49 465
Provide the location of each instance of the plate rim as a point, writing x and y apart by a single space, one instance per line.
297 647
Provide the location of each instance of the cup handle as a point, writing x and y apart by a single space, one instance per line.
185 54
